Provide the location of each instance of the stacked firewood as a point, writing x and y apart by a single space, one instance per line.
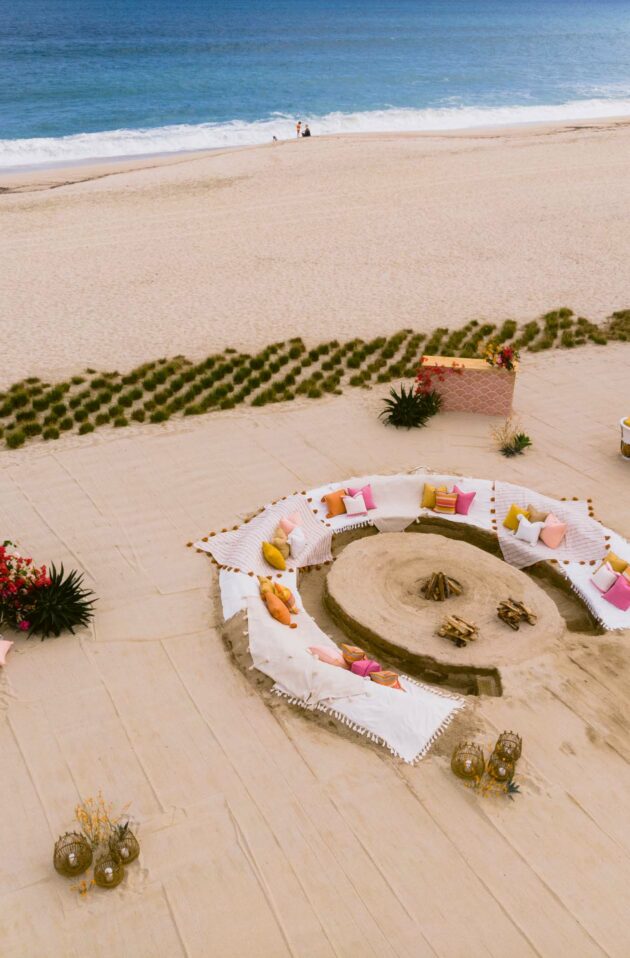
513 613
458 630
440 587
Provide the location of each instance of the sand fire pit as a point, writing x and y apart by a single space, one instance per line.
373 591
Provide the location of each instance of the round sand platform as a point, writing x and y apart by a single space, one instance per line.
373 590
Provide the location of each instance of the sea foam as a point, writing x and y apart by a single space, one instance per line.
48 151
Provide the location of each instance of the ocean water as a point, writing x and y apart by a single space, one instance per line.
81 79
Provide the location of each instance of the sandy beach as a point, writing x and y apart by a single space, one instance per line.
267 831
263 831
357 235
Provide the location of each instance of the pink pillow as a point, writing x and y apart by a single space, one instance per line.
364 667
5 645
464 501
366 492
329 655
288 523
619 594
553 531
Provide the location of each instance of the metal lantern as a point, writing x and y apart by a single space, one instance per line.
467 761
72 854
124 844
509 746
625 437
108 871
500 769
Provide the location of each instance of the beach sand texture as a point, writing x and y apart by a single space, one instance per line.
264 832
334 237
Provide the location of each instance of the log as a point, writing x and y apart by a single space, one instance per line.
440 587
458 630
513 612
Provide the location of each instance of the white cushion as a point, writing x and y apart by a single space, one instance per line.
528 531
297 541
605 577
355 505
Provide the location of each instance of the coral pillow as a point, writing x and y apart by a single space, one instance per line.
511 520
536 515
464 501
288 523
328 655
445 502
619 594
334 501
278 609
618 564
390 679
367 494
364 667
604 577
355 505
553 531
352 653
297 542
273 556
428 495
528 531
5 645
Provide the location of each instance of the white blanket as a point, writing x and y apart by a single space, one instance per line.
584 540
241 549
407 722
479 513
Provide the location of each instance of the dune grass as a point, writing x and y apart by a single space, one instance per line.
164 389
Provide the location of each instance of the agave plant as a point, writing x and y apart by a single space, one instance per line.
63 605
409 409
516 446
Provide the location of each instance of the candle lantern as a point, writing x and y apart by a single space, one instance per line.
500 769
467 761
124 844
509 746
72 854
108 871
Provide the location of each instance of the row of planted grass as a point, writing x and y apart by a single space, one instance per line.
157 391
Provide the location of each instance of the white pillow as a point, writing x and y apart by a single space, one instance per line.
528 531
355 505
297 541
605 577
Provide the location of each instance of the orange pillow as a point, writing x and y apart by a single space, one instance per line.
390 679
352 653
278 609
445 502
334 501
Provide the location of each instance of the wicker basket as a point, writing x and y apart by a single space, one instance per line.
72 855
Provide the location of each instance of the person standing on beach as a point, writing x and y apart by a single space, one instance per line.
298 128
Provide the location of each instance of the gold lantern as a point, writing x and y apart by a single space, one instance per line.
500 769
124 844
108 871
72 854
467 761
509 746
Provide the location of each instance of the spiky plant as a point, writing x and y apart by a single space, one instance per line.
409 409
516 446
512 789
63 605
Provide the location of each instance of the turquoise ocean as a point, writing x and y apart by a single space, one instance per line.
84 79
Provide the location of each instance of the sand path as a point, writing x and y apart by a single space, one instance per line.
264 833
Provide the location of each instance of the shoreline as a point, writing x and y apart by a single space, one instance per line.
102 166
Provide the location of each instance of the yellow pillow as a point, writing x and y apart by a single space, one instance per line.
616 564
511 520
626 422
273 556
445 502
428 495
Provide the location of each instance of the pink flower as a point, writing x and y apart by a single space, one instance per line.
24 625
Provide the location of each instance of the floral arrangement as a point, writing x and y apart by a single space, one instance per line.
429 377
503 357
39 600
20 578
